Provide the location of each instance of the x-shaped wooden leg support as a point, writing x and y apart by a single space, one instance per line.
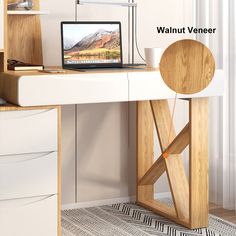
190 196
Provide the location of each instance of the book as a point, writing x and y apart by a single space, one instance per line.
22 66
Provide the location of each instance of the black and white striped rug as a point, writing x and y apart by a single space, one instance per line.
129 219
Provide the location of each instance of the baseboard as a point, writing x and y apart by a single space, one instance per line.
109 201
96 203
162 195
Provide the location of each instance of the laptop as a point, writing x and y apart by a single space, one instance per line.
91 44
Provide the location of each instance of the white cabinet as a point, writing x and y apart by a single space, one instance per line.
29 171
1 24
29 216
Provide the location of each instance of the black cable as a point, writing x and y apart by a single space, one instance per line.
76 9
136 34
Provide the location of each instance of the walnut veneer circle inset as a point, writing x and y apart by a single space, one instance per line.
187 66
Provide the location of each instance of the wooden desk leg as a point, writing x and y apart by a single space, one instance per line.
190 198
198 150
145 149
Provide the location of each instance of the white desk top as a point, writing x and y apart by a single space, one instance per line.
36 89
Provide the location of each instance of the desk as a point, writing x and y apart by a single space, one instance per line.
31 90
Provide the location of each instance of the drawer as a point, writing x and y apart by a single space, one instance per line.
148 86
28 131
28 175
29 217
77 88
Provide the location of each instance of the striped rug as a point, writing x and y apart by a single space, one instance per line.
130 219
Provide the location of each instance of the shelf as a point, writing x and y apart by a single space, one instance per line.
31 12
1 50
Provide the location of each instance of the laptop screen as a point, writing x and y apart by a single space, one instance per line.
91 44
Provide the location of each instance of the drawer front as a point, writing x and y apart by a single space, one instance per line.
29 217
72 89
28 175
28 131
148 86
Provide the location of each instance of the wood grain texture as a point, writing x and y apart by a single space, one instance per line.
176 147
180 142
5 36
187 66
24 44
162 210
162 119
1 61
145 149
159 207
154 172
3 53
8 86
174 165
24 37
199 162
179 185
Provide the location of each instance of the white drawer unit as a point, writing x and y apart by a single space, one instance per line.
29 216
1 25
29 178
28 175
28 131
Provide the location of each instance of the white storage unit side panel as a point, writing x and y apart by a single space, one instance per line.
1 24
68 152
28 175
72 89
28 131
29 216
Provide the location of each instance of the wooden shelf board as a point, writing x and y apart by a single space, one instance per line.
31 12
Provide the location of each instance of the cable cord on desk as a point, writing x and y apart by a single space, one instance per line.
135 27
136 34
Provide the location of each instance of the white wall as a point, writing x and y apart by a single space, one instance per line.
151 13
208 17
105 158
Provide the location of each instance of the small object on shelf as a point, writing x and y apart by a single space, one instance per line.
56 71
22 66
24 5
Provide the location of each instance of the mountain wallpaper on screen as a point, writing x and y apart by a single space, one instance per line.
101 45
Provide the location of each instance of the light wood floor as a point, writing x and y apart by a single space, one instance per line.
222 213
